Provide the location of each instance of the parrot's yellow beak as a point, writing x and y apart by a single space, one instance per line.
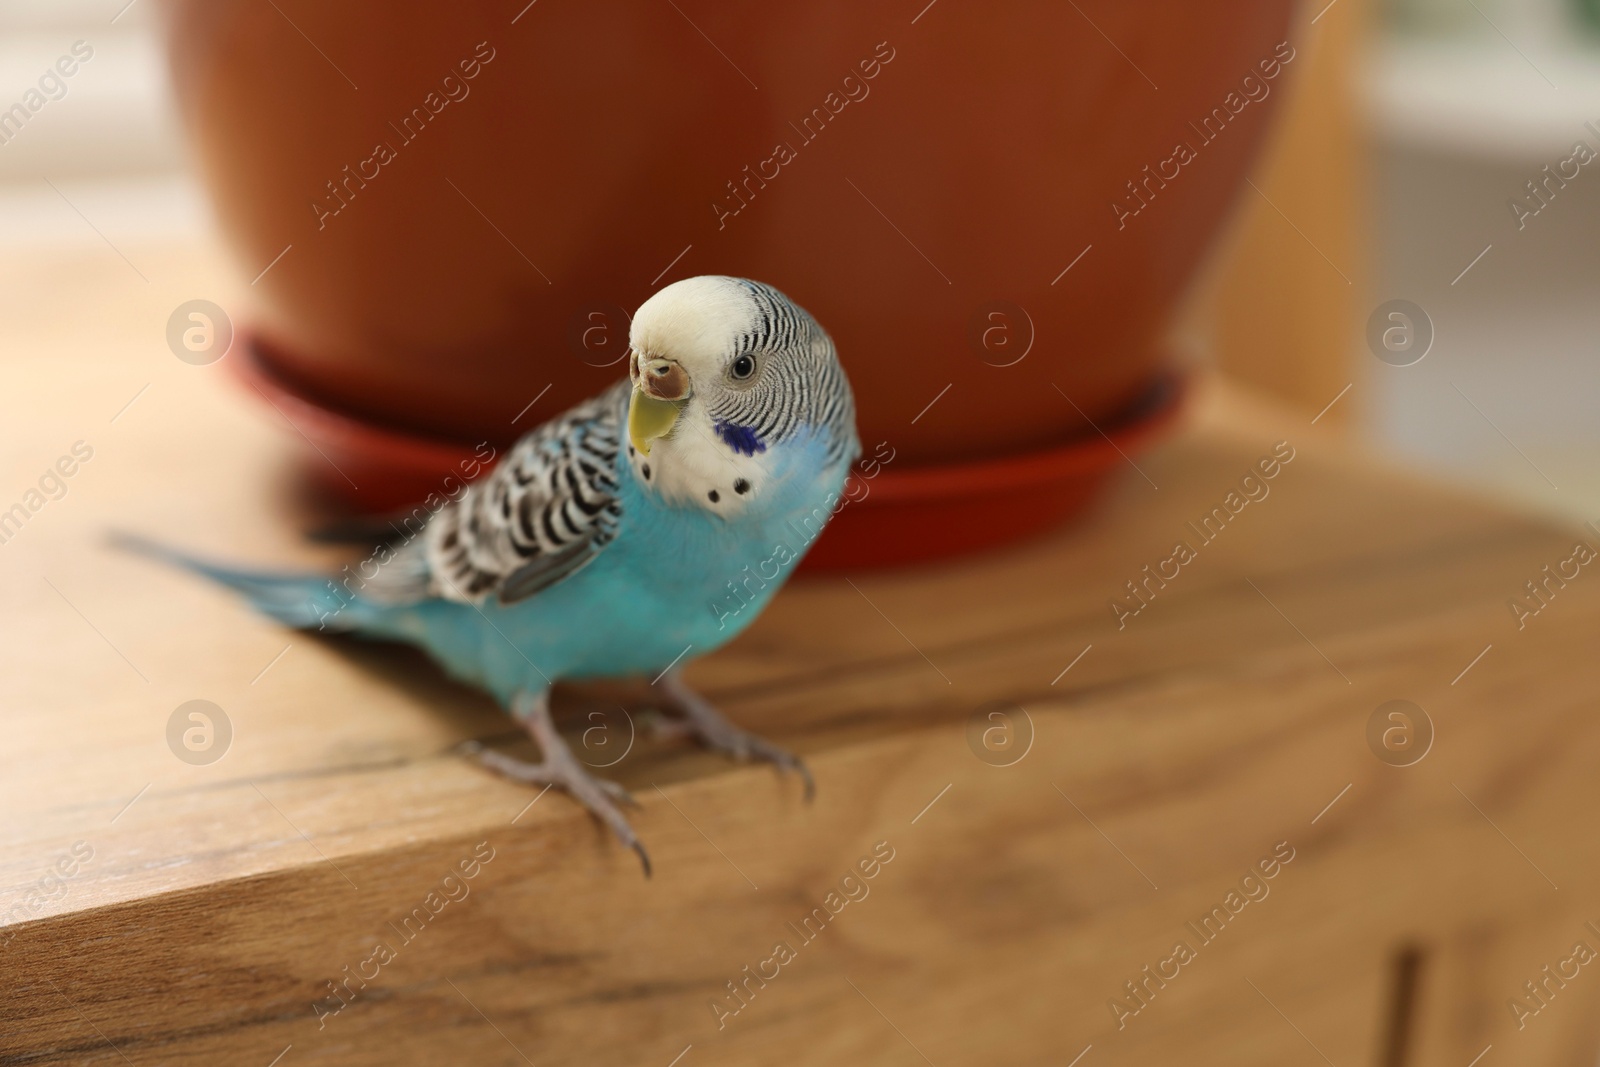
650 418
660 389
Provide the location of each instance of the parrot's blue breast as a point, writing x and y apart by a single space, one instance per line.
676 582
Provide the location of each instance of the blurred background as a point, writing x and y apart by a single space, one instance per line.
1412 129
1416 126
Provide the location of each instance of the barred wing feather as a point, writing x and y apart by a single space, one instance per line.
545 512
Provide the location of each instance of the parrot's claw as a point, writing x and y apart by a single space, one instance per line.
560 768
710 727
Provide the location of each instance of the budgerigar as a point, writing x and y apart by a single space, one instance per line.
641 529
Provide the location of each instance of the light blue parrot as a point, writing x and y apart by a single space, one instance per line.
643 528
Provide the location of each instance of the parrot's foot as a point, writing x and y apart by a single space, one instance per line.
702 721
561 768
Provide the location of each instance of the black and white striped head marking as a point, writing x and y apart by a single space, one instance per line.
748 370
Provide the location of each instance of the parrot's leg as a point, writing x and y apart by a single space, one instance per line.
702 721
561 768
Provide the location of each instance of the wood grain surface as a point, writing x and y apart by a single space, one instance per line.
1227 719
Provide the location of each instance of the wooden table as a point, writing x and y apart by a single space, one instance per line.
211 908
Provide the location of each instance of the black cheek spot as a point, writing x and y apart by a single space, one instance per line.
741 486
630 450
647 472
714 495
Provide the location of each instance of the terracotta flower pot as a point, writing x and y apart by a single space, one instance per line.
991 207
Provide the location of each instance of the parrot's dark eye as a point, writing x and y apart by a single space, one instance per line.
743 367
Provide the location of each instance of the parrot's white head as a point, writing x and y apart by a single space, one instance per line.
725 373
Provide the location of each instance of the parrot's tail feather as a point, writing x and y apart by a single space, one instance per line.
304 601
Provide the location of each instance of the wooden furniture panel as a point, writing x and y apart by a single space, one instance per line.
1228 716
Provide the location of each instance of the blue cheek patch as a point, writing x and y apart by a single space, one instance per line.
742 439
